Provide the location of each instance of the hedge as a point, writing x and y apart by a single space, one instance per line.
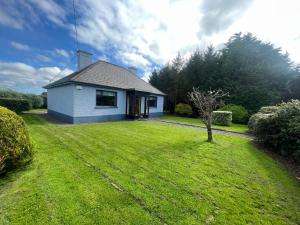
16 105
183 109
223 118
279 128
35 101
15 146
239 113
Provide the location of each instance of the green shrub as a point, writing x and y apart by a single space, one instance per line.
16 105
15 147
279 128
35 101
223 118
239 113
183 109
268 109
257 119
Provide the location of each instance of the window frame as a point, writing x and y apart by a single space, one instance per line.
107 106
155 105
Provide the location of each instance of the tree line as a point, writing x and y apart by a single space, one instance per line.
255 73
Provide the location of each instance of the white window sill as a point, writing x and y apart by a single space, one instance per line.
106 107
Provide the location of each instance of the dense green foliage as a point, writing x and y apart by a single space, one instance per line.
16 105
100 174
222 118
239 113
15 147
279 128
183 109
255 74
35 101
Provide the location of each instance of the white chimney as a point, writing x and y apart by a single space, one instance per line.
133 70
84 59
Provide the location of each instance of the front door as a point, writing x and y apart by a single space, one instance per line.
137 106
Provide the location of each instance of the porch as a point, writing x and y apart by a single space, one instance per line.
137 104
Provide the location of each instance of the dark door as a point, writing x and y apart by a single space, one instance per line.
137 105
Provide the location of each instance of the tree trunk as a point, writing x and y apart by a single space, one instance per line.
209 134
209 131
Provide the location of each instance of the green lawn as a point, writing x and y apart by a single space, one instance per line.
240 128
145 173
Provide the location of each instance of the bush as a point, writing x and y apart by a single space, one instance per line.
268 109
239 113
15 147
279 128
35 101
223 118
16 105
183 109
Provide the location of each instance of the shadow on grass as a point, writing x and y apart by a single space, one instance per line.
13 175
286 164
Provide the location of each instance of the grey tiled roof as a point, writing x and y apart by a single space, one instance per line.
108 75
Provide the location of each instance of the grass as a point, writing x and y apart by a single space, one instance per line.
240 128
145 173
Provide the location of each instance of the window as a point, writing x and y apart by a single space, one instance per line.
106 98
152 101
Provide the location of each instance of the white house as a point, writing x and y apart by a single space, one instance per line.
102 91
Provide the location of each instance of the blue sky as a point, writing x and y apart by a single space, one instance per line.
37 38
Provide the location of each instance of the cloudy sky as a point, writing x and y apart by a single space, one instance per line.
37 37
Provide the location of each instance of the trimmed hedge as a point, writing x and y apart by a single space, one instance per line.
16 105
35 101
239 113
15 146
223 118
183 109
279 128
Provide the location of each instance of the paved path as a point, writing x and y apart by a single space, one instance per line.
250 136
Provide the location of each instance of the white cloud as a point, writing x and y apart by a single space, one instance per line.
23 14
134 59
19 46
53 11
61 52
218 15
43 58
21 73
140 30
5 84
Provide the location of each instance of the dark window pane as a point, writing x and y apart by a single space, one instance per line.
152 101
106 98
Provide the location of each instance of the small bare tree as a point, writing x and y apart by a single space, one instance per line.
206 102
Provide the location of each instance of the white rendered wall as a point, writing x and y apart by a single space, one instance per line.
60 99
160 105
85 103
